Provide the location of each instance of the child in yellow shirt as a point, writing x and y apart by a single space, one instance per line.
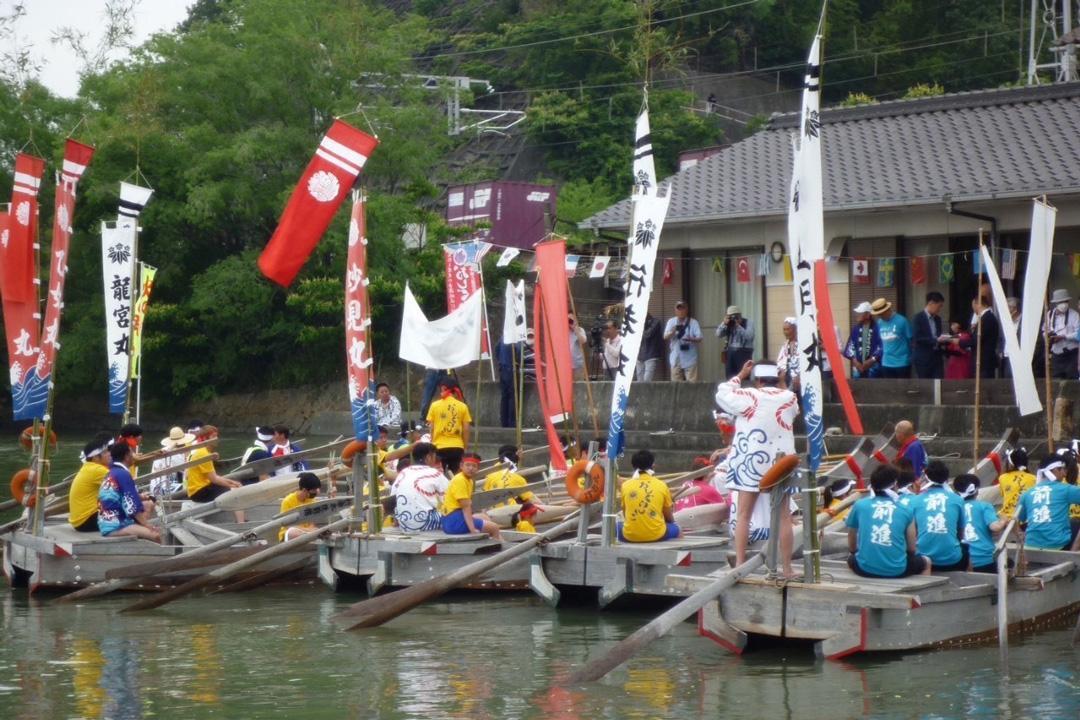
458 518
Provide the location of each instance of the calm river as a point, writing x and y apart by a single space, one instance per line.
275 653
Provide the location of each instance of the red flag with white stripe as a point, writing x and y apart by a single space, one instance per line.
322 189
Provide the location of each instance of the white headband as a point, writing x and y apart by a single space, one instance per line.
1054 465
261 436
790 321
970 491
766 371
94 453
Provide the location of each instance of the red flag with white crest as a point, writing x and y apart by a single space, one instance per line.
322 189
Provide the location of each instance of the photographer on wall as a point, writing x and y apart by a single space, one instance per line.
739 333
683 334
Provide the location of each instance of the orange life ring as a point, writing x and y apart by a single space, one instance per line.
22 490
778 472
354 447
26 437
574 487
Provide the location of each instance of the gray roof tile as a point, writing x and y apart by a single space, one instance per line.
965 146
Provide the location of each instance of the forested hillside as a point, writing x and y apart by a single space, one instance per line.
221 115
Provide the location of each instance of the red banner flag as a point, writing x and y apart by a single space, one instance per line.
918 271
464 277
742 269
18 265
322 188
554 373
357 322
76 157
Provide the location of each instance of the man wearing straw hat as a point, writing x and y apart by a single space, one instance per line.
895 332
173 482
1062 326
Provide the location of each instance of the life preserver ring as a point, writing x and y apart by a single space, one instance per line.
778 472
576 490
26 437
350 451
21 488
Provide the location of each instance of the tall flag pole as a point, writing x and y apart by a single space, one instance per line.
22 318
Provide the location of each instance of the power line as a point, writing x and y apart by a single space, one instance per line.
595 33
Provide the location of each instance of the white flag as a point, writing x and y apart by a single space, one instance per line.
1043 219
449 342
514 329
599 266
507 257
644 167
1027 395
133 199
118 269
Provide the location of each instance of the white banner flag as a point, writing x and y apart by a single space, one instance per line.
644 167
514 328
118 266
648 220
806 243
507 257
599 266
1027 395
133 199
1043 219
449 342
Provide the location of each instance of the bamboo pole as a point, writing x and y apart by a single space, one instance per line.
978 354
1048 314
588 382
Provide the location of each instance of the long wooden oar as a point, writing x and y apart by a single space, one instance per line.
1001 559
120 578
378 610
659 627
265 577
276 462
228 571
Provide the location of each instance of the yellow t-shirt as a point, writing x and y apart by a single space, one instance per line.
198 476
291 502
501 479
644 500
448 417
1013 485
460 488
82 499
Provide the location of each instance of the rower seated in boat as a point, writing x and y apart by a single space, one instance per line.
907 486
386 457
1015 482
121 509
457 514
201 481
706 494
981 523
834 494
881 532
508 477
418 491
83 497
646 504
1044 509
939 521
305 494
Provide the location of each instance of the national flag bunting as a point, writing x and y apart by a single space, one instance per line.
860 270
946 269
918 271
886 272
742 269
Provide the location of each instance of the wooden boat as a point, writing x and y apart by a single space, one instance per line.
60 558
846 613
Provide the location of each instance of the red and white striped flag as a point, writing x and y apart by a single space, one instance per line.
322 189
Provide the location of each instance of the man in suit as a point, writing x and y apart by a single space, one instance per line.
986 325
927 328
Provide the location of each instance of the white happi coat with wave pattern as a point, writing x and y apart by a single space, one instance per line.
419 490
763 430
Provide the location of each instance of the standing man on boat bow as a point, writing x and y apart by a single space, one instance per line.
764 417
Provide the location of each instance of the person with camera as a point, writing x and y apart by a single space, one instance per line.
612 344
683 333
739 333
579 345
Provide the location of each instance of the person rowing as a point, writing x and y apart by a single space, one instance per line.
881 532
1043 512
83 496
981 524
308 487
939 521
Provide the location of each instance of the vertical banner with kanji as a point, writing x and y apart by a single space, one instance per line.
649 212
138 320
357 326
464 277
76 157
22 318
117 267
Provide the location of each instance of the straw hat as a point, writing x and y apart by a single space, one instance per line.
177 438
880 307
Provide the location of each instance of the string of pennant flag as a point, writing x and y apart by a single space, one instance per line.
919 267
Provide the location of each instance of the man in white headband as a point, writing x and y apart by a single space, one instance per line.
981 523
787 361
259 450
1044 509
764 418
83 496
